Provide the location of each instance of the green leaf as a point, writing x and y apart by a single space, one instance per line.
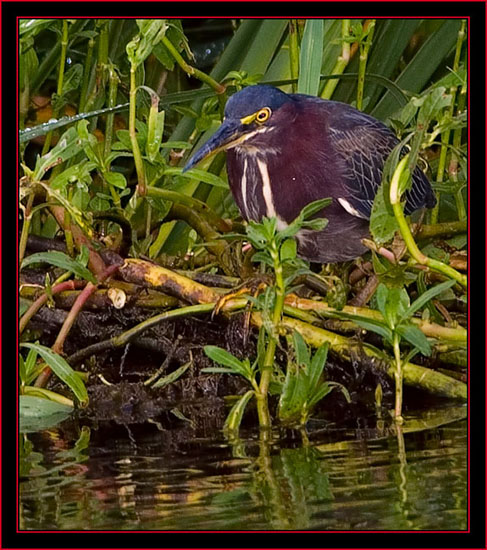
433 105
218 370
431 109
155 129
79 201
315 225
67 146
37 413
310 57
375 326
288 250
260 234
379 327
319 392
163 56
176 145
261 49
317 365
24 305
415 337
176 36
151 33
116 179
197 174
301 350
99 204
48 394
172 377
31 369
62 370
263 257
314 207
425 298
223 357
392 303
80 172
383 224
234 418
31 27
22 370
72 78
124 137
62 260
293 396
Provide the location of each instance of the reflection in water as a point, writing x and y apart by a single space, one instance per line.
389 478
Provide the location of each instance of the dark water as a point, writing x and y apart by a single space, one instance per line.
145 478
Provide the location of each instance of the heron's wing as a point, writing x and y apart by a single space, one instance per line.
363 144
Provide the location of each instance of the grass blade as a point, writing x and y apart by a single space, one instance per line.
418 72
310 58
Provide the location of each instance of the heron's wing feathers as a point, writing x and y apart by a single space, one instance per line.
363 145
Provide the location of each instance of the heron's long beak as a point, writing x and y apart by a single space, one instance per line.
229 133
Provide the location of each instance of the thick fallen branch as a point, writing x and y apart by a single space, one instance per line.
100 300
433 330
151 275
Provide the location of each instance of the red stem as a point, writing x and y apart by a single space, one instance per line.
37 304
70 319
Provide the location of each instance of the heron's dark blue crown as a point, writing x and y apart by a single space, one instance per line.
251 99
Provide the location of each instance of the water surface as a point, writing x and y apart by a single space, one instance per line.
147 478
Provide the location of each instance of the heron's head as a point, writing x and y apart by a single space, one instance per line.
253 111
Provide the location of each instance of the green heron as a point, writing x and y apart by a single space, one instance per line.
287 150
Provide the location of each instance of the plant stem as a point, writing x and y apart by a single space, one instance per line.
139 164
60 81
68 323
68 233
364 53
294 53
442 229
445 136
341 63
26 226
112 101
457 139
262 401
398 375
219 88
86 75
413 249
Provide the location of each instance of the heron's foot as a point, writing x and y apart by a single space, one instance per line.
251 287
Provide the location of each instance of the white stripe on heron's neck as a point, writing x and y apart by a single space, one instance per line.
244 188
266 188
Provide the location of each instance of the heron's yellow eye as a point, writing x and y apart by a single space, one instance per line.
263 115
